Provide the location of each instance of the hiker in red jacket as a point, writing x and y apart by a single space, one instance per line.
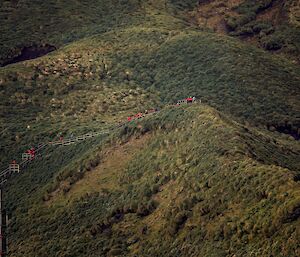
189 100
32 152
28 151
139 115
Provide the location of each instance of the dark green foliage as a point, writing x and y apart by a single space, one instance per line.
202 185
273 43
183 5
144 210
178 222
256 6
247 11
52 26
271 36
216 80
264 27
252 28
285 37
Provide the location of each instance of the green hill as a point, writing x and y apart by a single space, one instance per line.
269 24
184 176
27 23
220 178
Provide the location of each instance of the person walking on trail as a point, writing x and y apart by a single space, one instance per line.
189 100
32 153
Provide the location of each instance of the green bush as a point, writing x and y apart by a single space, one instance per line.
272 43
247 11
178 222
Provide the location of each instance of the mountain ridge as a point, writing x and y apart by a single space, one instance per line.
178 162
220 178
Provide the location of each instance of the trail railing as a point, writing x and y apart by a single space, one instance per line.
74 140
28 158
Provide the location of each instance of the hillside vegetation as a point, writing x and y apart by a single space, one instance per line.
199 179
220 178
273 25
26 23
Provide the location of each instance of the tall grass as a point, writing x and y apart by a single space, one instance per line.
195 181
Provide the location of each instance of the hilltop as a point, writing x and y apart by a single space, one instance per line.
190 176
212 179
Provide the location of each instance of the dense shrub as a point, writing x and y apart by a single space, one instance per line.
177 222
188 4
272 43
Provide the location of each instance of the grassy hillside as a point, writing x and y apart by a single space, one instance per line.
215 179
270 24
196 178
25 23
104 78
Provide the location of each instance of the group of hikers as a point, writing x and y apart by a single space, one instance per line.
31 153
188 100
141 115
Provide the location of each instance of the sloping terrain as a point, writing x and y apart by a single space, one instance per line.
100 80
205 185
270 24
220 178
27 23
